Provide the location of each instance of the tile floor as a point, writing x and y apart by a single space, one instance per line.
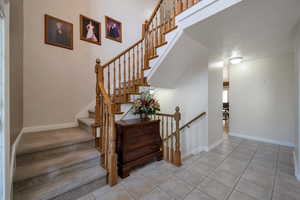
237 169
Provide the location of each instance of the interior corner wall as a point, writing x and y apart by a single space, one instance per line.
59 83
262 99
215 93
297 74
16 68
191 96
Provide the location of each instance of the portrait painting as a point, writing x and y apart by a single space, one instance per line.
58 32
90 30
113 29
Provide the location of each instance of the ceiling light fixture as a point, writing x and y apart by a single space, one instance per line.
236 60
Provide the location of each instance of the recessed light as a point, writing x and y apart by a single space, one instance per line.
236 60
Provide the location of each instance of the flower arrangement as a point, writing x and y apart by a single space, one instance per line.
145 105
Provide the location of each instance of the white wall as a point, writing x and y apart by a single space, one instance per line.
297 74
191 96
215 97
263 100
58 83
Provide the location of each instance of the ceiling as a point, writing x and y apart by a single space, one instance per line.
252 28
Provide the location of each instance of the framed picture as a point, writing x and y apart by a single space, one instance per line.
113 29
90 30
58 32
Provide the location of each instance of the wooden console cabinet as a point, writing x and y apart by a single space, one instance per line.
138 142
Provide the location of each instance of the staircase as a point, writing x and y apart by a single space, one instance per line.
69 163
61 164
121 77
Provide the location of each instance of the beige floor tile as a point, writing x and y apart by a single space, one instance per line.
116 194
225 177
138 186
236 195
254 190
191 177
198 195
176 188
262 180
87 197
157 194
201 168
278 196
215 189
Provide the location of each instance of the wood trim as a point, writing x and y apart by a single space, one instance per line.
226 84
81 30
193 120
106 31
154 12
122 53
46 33
186 125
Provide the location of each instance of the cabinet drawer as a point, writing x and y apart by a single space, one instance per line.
138 153
141 141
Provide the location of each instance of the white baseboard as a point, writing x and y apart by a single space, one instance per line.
13 157
214 145
296 165
258 139
49 127
193 152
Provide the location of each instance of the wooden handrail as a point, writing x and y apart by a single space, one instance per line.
122 53
186 125
190 122
155 11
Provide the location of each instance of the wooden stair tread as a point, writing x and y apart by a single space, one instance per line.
153 57
37 167
162 44
46 140
170 30
62 184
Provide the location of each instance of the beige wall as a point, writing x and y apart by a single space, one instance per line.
215 91
16 68
58 83
263 100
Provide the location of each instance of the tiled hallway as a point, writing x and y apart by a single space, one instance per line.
236 170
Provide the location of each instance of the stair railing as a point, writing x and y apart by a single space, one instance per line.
170 134
105 130
161 22
119 78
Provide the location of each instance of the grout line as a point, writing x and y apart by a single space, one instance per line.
234 186
275 176
207 176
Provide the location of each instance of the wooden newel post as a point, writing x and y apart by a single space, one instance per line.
146 38
144 29
98 94
113 158
98 108
177 117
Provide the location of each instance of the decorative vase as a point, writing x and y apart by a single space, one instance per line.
144 116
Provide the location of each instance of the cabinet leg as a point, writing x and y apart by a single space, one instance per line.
124 173
160 156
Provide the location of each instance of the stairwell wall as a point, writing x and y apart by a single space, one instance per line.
59 82
16 67
215 91
297 74
263 100
191 95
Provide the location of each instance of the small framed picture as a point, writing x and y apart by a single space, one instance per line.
58 32
90 30
113 29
